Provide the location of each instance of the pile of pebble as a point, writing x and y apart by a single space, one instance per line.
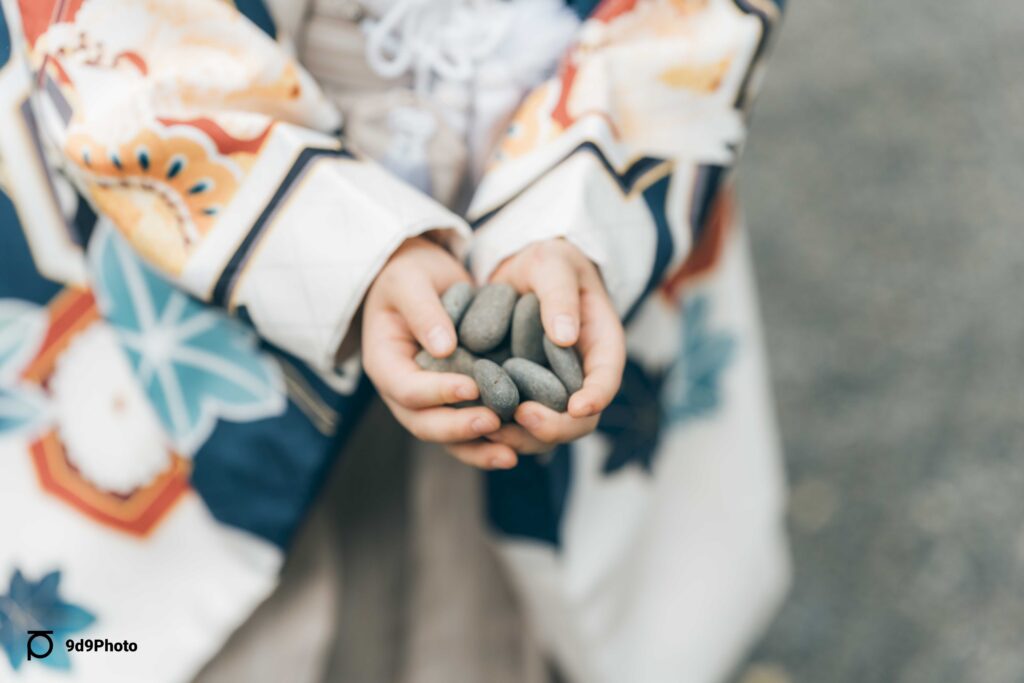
502 346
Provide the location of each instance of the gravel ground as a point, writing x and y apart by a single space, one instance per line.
884 184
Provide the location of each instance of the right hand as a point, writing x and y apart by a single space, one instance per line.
575 311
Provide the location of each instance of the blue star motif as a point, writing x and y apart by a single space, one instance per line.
693 385
632 422
37 606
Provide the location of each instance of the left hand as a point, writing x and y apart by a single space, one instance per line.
401 313
575 310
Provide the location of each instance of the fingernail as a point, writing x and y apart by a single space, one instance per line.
581 403
565 329
438 340
465 392
481 425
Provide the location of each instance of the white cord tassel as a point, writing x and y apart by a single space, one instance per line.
434 39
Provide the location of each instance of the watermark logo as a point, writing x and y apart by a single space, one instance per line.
100 645
33 650
39 645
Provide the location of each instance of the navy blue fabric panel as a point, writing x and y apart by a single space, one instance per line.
5 40
18 275
328 395
528 501
258 14
583 8
709 182
263 476
656 196
84 221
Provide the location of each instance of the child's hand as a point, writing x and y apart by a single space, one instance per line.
575 310
402 312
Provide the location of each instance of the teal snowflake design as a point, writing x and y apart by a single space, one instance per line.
21 410
37 606
195 363
693 385
22 326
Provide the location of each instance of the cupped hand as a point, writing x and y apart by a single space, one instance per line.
402 312
575 311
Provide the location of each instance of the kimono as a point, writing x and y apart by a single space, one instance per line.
193 204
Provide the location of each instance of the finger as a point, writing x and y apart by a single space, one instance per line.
446 425
418 389
603 347
388 361
519 440
484 454
556 283
550 427
418 302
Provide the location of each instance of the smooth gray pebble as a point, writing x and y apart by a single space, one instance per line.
537 383
461 361
527 329
456 300
497 390
486 323
499 355
565 363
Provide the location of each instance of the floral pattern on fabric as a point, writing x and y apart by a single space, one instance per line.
163 187
693 384
38 606
195 364
633 421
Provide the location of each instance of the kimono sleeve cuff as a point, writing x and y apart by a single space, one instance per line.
580 202
337 227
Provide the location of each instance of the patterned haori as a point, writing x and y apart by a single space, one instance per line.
187 231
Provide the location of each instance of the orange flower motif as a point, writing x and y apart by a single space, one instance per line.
163 192
532 125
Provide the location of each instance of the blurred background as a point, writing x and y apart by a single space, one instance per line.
884 184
